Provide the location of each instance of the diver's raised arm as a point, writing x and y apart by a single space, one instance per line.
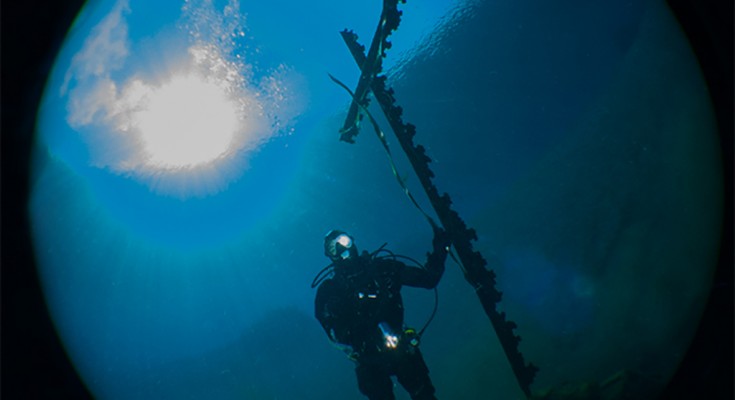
429 276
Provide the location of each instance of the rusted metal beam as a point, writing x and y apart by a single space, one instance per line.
472 262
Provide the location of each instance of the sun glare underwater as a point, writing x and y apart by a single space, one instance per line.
187 164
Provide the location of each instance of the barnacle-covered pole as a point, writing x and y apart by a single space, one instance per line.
473 264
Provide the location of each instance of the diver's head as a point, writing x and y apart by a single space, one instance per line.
339 246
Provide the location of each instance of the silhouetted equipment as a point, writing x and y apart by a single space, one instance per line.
472 262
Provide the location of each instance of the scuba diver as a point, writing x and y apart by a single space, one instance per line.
359 305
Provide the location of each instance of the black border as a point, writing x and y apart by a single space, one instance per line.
707 369
33 363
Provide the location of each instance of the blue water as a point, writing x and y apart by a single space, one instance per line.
563 132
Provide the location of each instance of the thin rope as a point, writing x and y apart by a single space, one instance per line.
384 141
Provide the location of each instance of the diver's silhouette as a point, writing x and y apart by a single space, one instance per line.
361 310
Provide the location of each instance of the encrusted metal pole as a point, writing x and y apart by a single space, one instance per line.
481 279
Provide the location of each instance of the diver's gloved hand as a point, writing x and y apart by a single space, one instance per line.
348 350
441 241
353 356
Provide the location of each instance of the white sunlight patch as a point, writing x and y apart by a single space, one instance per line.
186 117
187 121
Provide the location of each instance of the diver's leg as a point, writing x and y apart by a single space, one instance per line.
374 382
413 375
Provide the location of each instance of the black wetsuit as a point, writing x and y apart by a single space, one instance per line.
363 293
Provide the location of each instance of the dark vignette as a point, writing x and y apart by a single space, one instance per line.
33 362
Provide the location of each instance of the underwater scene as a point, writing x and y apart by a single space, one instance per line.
553 168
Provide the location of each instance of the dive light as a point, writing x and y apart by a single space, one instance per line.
391 340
